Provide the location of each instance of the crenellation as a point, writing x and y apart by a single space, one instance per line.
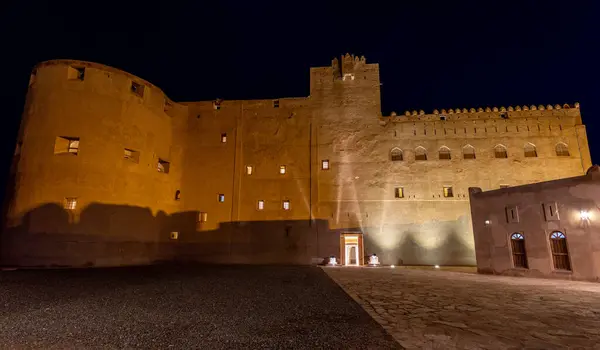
334 146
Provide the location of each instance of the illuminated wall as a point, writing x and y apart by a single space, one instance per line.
126 211
555 222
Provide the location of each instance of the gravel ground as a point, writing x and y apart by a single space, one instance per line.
217 307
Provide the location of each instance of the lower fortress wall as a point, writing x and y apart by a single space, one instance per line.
116 235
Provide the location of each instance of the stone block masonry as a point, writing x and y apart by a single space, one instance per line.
190 173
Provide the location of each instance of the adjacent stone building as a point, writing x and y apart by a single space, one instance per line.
548 229
110 171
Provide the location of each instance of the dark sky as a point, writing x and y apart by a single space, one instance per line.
443 54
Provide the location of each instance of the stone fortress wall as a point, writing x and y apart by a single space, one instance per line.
126 210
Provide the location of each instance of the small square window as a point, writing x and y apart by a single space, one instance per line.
76 73
217 105
260 205
223 138
249 169
550 211
221 198
282 169
202 217
448 192
286 205
512 214
399 192
66 145
131 155
325 164
276 104
163 166
442 117
174 235
137 89
70 203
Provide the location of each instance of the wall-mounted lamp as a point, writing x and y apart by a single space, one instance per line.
584 215
487 222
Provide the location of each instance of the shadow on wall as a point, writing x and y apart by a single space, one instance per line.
432 243
116 235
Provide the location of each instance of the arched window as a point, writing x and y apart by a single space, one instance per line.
500 152
177 195
420 153
396 155
444 153
562 150
517 243
560 253
530 150
469 152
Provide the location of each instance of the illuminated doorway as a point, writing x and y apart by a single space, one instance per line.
351 248
351 255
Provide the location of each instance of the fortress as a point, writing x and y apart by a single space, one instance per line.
109 171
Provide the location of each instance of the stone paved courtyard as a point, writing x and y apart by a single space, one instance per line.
447 310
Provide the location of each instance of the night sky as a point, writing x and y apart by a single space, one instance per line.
431 55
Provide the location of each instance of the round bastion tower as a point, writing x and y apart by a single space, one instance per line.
96 171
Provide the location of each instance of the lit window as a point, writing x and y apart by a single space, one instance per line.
66 145
131 155
276 104
137 89
261 205
282 169
70 203
162 166
562 150
448 192
221 198
223 138
202 217
399 192
286 205
249 169
325 164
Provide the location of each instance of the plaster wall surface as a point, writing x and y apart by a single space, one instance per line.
210 145
567 199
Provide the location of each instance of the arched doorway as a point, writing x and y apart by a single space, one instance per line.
517 242
560 252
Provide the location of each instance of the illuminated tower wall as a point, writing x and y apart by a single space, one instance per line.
262 181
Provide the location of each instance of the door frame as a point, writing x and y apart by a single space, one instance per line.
356 239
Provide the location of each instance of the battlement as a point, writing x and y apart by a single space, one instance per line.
349 65
482 113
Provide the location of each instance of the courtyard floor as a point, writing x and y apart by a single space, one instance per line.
449 310
183 307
